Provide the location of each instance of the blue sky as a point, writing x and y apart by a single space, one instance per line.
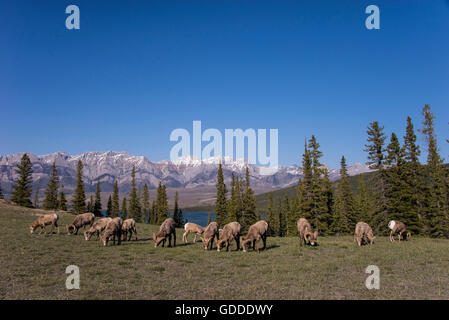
136 70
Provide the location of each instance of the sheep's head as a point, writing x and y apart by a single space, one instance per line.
158 238
370 237
311 238
205 242
33 227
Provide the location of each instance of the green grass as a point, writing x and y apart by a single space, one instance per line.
33 267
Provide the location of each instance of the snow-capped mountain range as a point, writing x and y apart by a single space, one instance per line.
183 173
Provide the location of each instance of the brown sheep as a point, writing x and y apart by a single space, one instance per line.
113 229
363 234
305 233
398 227
81 220
97 227
255 233
192 227
210 233
129 225
166 230
230 231
45 220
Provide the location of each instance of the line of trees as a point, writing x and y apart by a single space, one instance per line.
401 188
241 206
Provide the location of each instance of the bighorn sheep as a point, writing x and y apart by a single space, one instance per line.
192 227
45 220
129 225
305 233
113 228
398 227
97 227
363 234
81 220
210 233
166 230
230 231
255 232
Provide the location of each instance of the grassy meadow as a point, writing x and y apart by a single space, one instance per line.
33 266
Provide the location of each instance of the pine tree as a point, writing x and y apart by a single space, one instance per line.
436 218
51 194
146 203
79 199
376 159
162 203
281 219
305 186
109 207
96 210
90 205
133 202
249 214
293 217
115 210
23 185
284 216
153 214
177 213
328 197
363 201
62 203
221 202
124 211
272 217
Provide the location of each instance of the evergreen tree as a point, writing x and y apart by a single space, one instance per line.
133 201
146 202
328 198
249 215
283 216
345 215
62 203
281 219
293 217
90 205
96 210
79 198
363 201
124 213
436 216
305 186
51 194
272 217
221 202
115 209
23 185
177 213
109 207
162 203
376 159
153 214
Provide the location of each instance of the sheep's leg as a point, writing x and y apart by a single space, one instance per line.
256 246
391 237
57 226
174 238
135 233
237 242
184 236
264 239
169 240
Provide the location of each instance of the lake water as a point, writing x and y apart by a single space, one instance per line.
195 217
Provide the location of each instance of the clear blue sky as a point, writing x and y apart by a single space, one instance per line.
136 70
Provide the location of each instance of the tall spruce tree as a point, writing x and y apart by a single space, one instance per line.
249 214
23 185
376 158
51 194
62 203
436 216
272 217
134 209
305 187
162 203
115 210
109 207
177 213
124 211
97 204
79 198
281 219
221 202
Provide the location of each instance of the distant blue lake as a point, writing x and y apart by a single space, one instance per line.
197 217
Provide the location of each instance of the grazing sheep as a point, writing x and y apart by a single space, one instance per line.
45 220
97 227
129 225
255 233
398 227
229 232
305 233
166 230
113 229
363 234
192 227
81 220
210 233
